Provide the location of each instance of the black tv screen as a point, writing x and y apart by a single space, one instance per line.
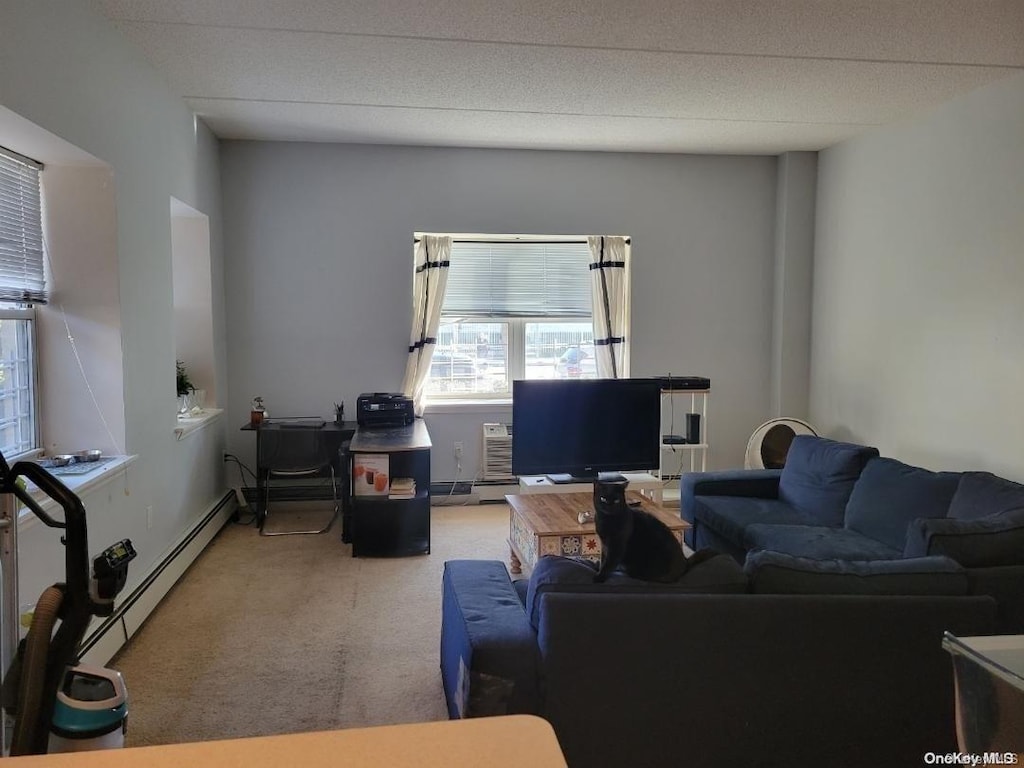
583 427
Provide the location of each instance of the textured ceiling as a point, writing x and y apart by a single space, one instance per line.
715 76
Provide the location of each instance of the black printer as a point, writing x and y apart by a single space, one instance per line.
384 409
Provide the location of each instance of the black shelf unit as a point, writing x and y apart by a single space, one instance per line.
390 527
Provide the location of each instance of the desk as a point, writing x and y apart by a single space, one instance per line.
337 437
512 741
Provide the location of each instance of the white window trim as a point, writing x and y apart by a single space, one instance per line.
9 312
515 366
191 424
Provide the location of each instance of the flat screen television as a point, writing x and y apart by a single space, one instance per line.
577 429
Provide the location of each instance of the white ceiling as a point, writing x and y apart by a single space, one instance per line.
709 76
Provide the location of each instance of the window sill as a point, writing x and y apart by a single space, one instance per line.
468 406
79 484
186 426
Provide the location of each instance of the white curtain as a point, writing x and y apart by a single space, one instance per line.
609 291
430 264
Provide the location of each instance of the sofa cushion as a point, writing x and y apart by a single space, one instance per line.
729 516
779 573
820 474
818 542
983 543
980 494
553 573
890 494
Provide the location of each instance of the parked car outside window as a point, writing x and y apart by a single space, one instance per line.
453 371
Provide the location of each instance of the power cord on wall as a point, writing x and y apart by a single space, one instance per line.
455 484
242 502
469 493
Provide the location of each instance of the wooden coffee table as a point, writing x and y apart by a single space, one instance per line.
548 524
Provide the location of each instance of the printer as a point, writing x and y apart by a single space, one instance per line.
384 409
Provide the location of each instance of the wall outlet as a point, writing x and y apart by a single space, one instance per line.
458 449
149 518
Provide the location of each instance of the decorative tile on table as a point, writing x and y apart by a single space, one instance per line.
550 545
570 546
590 547
524 541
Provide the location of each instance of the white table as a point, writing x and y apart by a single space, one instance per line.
989 678
511 741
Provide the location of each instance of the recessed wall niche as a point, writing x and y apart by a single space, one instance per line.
193 302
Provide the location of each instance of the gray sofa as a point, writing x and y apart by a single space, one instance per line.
839 517
702 673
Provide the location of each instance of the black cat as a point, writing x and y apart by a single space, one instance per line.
643 545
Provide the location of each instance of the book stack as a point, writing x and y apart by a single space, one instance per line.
402 488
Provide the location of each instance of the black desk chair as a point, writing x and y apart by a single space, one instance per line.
291 454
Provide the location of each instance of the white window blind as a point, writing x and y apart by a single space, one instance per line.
518 279
21 231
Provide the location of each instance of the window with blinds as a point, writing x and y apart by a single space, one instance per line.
21 231
518 279
514 308
22 284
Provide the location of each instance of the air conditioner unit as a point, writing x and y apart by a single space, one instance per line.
497 463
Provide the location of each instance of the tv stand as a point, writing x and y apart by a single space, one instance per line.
567 479
638 481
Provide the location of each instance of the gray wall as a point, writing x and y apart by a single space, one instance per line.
67 70
318 255
918 285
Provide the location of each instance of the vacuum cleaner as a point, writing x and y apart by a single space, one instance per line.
58 704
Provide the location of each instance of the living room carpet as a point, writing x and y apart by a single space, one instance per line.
291 633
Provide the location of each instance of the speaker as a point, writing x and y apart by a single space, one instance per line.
693 428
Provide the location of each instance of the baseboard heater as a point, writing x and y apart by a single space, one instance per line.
480 492
115 630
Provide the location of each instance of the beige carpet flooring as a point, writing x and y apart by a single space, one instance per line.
291 633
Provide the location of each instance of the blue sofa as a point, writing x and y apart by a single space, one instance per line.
838 512
702 673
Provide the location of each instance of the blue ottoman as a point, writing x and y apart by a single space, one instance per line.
489 656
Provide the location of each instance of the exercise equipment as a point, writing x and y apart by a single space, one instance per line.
47 661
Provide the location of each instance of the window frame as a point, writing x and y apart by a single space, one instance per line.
27 314
23 281
515 353
515 362
462 395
